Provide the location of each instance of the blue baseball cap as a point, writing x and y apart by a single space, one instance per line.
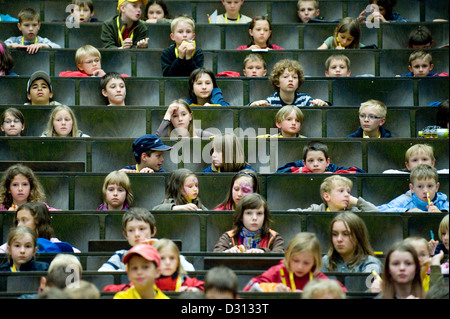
148 142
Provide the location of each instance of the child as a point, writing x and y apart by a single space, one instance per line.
116 190
203 89
289 120
424 196
29 24
89 63
62 122
420 64
287 77
22 248
125 30
301 264
36 216
335 192
243 183
221 283
323 289
83 11
260 31
316 160
420 38
39 89
157 12
401 276
251 231
254 65
179 122
308 9
337 65
232 15
138 227
114 89
143 268
13 122
182 57
381 11
149 155
181 192
6 60
346 36
372 116
227 155
443 246
18 186
416 155
350 249
173 277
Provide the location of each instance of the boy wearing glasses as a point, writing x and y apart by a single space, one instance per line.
372 116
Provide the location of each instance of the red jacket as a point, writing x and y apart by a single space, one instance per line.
80 74
273 275
169 283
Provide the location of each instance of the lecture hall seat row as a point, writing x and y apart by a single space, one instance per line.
278 11
216 37
146 63
161 91
132 122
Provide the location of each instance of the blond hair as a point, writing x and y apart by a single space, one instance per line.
443 227
255 57
337 57
332 182
182 18
317 287
378 105
84 51
50 131
303 242
316 3
419 148
233 156
167 243
120 179
423 171
420 54
284 112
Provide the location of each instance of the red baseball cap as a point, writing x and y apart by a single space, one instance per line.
144 250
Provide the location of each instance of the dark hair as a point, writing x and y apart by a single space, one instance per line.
228 201
41 216
141 214
194 76
251 25
84 3
6 59
221 278
315 146
251 201
442 114
388 6
420 36
174 186
163 6
108 77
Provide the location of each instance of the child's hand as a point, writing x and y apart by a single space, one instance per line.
339 47
352 201
127 43
189 206
260 103
254 47
319 102
142 43
190 49
432 208
282 288
376 286
99 73
432 244
151 20
436 259
170 110
234 249
362 16
34 48
146 170
414 210
254 251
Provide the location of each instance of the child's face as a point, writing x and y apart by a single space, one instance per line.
203 86
261 32
342 239
39 93
29 29
253 219
142 273
402 267
155 11
424 186
132 10
90 64
290 126
316 161
242 186
22 249
214 293
288 81
301 263
338 198
421 250
183 31
338 68
63 123
115 92
115 196
345 38
25 218
307 10
190 188
20 189
12 126
370 119
417 159
216 157
137 231
232 7
420 67
154 161
181 117
254 69
82 14
169 261
445 238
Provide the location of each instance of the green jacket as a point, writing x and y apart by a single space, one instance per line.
110 32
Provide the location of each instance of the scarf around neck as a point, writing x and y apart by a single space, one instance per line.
250 239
